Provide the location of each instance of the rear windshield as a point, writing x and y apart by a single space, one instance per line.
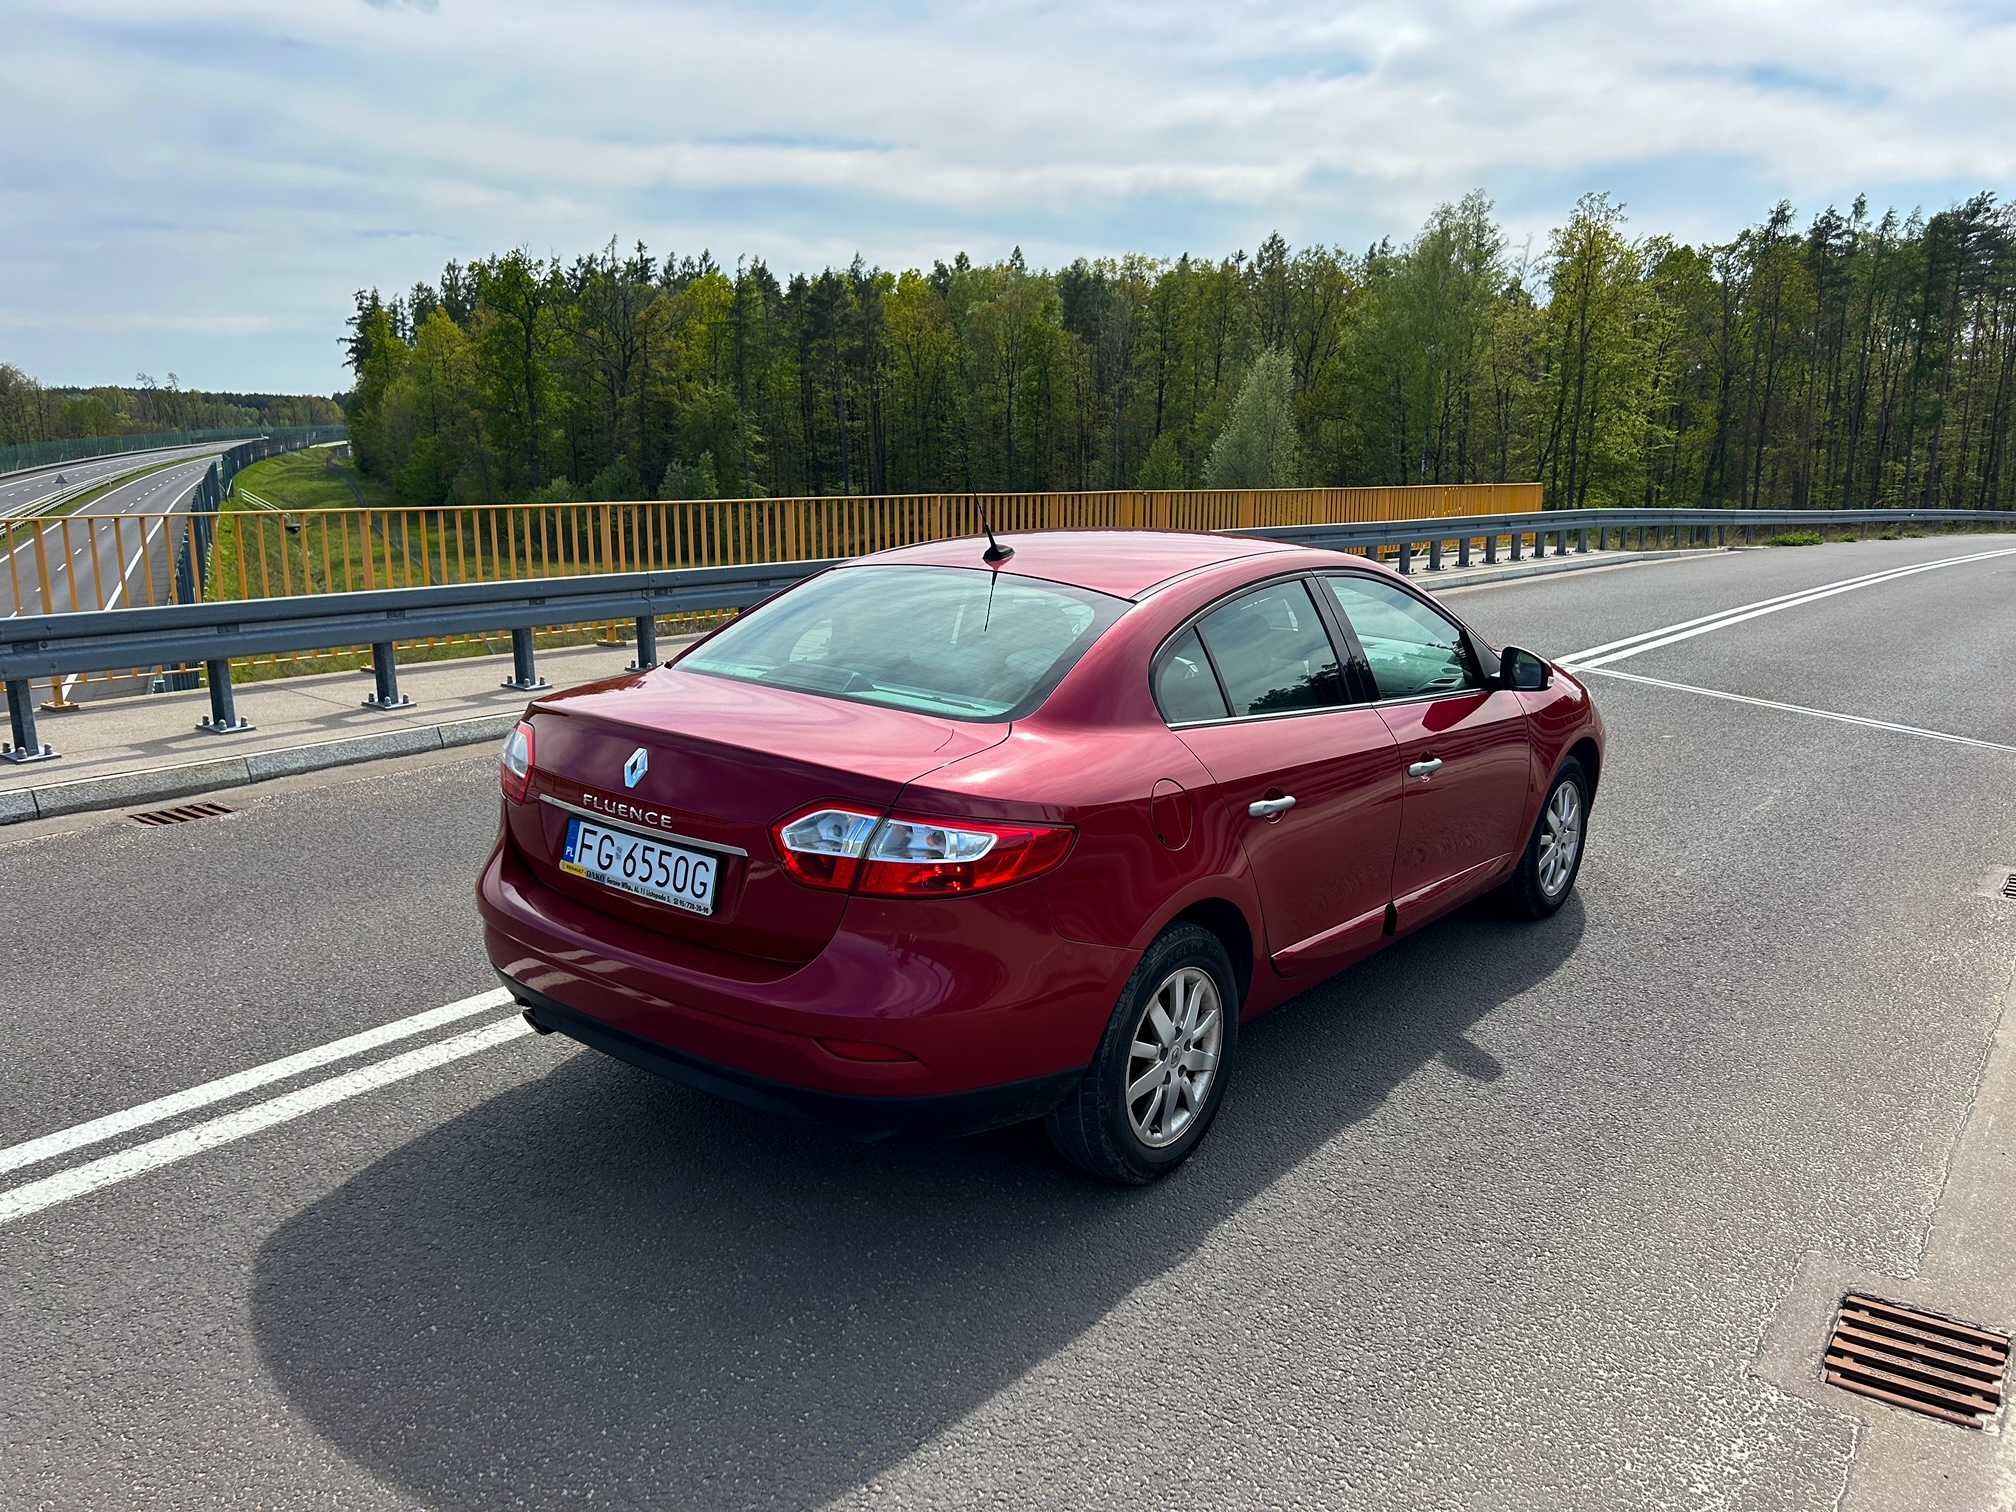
941 640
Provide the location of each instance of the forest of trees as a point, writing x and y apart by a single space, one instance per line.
1860 360
31 412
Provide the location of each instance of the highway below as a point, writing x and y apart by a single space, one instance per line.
24 490
106 565
1508 1217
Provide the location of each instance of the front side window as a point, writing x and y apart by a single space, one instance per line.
940 640
1272 652
1413 651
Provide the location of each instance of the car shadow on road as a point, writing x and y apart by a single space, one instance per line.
600 1279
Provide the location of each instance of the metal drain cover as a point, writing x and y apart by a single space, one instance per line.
181 815
1951 1371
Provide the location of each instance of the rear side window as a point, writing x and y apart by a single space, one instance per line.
940 640
1412 650
1272 652
1185 686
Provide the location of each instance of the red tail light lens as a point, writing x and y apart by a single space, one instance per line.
905 856
515 763
823 848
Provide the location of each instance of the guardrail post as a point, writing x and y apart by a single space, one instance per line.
647 643
1561 543
1491 548
223 718
1406 557
1435 554
1463 552
385 675
1518 544
524 676
25 746
1582 541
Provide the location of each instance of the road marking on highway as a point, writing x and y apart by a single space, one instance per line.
1791 708
1592 657
76 1137
108 1170
119 588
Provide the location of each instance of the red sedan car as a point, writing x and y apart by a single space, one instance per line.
959 835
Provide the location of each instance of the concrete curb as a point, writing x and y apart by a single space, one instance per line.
118 789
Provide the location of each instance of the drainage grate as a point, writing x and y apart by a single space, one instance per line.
1918 1360
2009 886
180 815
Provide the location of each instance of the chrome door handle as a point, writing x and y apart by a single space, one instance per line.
1425 769
1270 808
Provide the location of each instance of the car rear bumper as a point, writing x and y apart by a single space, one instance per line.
867 1117
909 1010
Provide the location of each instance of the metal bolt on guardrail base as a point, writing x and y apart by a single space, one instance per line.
647 645
21 718
223 718
524 676
385 673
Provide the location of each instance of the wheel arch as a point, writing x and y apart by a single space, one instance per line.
1589 755
1227 920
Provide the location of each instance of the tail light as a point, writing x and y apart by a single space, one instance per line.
904 856
515 762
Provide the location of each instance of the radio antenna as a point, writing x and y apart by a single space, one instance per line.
996 553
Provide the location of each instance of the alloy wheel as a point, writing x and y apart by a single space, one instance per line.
1173 1058
1560 838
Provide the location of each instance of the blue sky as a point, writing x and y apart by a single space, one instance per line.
198 187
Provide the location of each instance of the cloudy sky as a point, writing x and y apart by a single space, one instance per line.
198 187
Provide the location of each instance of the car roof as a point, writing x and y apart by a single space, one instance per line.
1123 563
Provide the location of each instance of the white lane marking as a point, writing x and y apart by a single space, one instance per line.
119 588
1651 640
77 1136
1791 708
19 1202
1783 598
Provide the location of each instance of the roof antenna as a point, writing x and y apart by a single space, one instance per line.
996 553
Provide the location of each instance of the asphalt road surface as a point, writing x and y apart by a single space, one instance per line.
131 559
1495 1220
24 490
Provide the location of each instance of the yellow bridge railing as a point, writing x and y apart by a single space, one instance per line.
260 548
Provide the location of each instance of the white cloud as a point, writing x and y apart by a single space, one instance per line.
231 155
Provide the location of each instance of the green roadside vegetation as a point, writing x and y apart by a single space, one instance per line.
248 562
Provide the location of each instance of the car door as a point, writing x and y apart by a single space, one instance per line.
1461 745
1257 689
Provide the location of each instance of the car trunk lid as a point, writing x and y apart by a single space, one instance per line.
723 761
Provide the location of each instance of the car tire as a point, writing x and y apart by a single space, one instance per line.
1543 881
1097 1127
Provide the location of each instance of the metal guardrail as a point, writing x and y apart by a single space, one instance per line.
52 645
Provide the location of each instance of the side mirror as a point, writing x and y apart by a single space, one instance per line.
1522 671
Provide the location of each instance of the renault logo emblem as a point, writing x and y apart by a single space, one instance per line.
635 768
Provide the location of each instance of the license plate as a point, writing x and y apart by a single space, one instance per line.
638 864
